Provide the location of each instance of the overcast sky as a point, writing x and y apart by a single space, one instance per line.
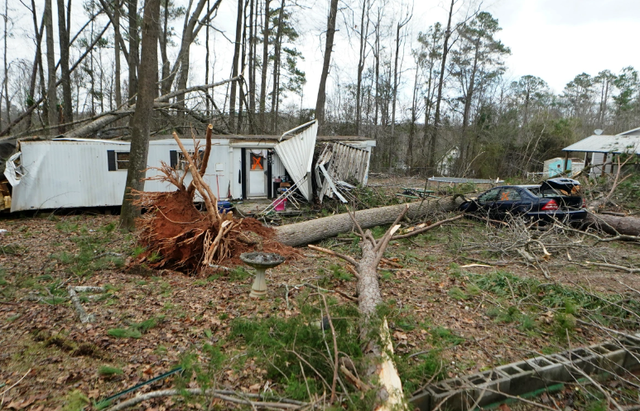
552 39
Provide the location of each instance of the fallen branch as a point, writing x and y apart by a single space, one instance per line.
16 383
222 395
345 257
84 317
427 228
614 266
360 385
335 351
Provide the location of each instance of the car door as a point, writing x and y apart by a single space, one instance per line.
508 202
487 201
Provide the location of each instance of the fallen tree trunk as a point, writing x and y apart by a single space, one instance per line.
306 232
108 118
380 371
615 225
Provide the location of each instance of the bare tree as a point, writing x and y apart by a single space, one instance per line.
396 71
134 44
331 31
265 66
431 163
52 100
64 21
364 37
142 118
235 64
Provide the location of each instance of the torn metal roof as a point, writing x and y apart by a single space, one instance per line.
627 142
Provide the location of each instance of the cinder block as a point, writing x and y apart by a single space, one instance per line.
488 386
452 394
422 401
520 373
546 371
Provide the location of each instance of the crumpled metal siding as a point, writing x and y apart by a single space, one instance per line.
296 154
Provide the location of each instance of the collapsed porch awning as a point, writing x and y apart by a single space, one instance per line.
296 155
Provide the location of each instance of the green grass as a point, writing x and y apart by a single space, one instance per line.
457 294
239 274
443 337
108 371
339 273
124 333
10 249
275 343
94 252
146 325
416 371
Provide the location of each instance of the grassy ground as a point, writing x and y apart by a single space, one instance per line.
446 318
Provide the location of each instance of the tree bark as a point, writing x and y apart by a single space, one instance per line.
52 101
265 66
306 232
614 224
331 31
436 120
116 52
65 73
140 124
134 42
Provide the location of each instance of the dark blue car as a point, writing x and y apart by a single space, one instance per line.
554 199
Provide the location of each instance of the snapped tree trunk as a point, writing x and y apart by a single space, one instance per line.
374 334
306 232
142 117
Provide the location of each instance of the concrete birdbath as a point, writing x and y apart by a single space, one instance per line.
261 261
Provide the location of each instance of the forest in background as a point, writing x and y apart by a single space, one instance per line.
419 96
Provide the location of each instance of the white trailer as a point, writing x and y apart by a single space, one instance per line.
73 172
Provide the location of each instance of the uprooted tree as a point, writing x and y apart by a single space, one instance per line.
177 235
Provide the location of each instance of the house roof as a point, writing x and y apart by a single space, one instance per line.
626 142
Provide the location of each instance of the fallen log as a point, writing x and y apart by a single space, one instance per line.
159 102
306 232
381 371
615 225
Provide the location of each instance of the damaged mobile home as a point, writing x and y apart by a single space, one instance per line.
74 173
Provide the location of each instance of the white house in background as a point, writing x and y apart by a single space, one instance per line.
600 150
70 173
445 166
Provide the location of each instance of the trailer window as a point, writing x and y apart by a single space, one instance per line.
122 160
117 160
